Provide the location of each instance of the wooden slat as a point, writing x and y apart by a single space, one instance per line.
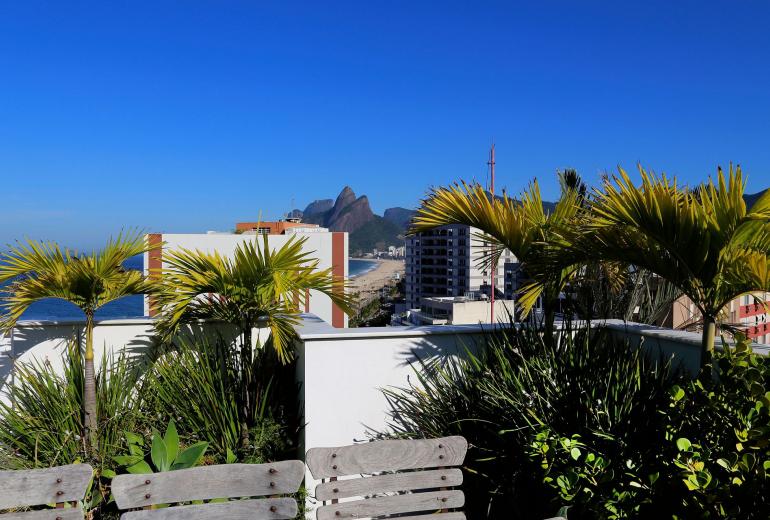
392 505
284 509
48 514
411 481
390 455
204 483
443 516
44 486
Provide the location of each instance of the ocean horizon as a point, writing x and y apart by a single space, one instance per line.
133 306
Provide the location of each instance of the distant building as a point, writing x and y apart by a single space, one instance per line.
746 313
457 310
330 248
444 262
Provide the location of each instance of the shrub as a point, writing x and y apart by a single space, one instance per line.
42 423
522 389
719 433
198 384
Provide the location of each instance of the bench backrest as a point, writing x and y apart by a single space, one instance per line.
212 482
393 477
37 487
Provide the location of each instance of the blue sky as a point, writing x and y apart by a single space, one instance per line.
188 116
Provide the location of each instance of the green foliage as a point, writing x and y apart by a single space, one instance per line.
257 287
165 453
43 426
378 233
198 386
721 428
522 386
593 430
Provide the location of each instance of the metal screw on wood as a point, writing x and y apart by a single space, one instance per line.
335 490
147 482
441 456
273 509
58 481
443 477
272 484
147 496
59 493
334 467
273 470
443 499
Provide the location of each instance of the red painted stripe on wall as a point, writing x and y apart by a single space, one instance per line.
154 263
338 271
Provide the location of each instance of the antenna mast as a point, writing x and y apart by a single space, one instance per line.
493 266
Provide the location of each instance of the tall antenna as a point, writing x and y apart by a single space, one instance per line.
493 266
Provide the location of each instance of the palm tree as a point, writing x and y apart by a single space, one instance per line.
703 241
38 270
258 287
521 226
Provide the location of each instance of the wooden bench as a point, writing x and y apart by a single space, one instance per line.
37 487
393 477
225 481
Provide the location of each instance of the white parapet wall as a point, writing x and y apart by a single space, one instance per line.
46 341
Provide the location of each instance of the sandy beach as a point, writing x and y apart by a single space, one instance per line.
382 275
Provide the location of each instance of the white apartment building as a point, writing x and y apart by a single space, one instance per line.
330 248
457 310
445 262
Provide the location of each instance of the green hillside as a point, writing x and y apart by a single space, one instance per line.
378 233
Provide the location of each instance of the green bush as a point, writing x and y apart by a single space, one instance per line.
586 427
42 424
198 384
520 386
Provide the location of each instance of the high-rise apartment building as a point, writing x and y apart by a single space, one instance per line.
445 262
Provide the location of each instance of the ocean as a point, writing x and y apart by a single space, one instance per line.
133 306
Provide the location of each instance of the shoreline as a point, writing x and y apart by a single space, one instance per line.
381 275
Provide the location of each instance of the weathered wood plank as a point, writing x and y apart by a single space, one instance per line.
44 486
411 481
265 509
392 505
48 514
389 455
208 482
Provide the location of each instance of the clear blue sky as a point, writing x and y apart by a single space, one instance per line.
188 116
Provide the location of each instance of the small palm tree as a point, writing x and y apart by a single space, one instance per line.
39 270
521 226
703 241
258 287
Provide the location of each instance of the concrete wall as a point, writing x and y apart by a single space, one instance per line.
46 341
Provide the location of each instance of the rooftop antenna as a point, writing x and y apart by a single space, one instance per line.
491 164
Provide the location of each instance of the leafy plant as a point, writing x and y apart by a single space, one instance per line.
581 386
719 438
41 417
198 383
39 270
703 240
165 453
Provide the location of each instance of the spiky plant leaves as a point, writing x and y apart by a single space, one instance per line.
259 287
39 270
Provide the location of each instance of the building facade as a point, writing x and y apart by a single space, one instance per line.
330 248
748 313
445 262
